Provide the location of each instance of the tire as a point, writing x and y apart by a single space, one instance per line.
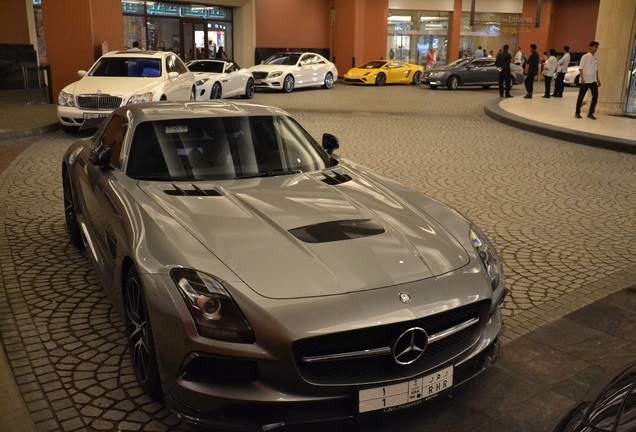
217 91
380 80
453 83
288 84
328 81
576 81
417 78
141 345
249 89
70 214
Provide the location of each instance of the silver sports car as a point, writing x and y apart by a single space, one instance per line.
265 281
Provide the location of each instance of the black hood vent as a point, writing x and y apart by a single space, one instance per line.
196 192
337 230
336 179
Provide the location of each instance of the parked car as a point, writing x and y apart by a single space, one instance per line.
380 72
470 72
264 280
572 75
611 408
286 71
119 78
219 79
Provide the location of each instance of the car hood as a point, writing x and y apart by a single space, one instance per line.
299 236
116 86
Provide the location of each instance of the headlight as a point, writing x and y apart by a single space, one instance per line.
436 74
489 256
65 99
275 74
215 313
201 82
140 98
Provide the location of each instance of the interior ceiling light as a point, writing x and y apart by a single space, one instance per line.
400 18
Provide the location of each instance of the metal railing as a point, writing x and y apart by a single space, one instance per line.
44 93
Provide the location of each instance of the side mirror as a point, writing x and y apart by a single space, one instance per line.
100 155
330 143
81 73
173 75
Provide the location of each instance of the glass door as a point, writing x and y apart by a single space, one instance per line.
193 41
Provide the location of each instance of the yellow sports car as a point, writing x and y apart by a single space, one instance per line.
380 72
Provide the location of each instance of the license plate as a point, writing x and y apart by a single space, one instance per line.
95 115
257 81
406 393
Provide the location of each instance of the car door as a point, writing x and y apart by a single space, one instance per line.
179 88
477 72
397 72
309 70
230 80
101 203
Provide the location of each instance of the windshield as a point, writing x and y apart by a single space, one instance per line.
222 148
127 67
282 59
373 65
459 63
206 66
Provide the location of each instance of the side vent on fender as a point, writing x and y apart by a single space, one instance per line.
196 191
336 179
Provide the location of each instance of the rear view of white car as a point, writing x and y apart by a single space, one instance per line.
220 79
119 78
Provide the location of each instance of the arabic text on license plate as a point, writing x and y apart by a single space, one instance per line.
404 393
95 115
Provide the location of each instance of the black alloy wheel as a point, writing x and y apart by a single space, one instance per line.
380 80
216 91
139 335
72 227
249 89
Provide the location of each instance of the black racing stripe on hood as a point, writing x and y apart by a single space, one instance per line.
337 230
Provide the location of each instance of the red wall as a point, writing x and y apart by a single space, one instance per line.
14 27
292 23
74 30
574 24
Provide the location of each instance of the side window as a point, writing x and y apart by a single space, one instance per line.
231 67
170 64
178 65
114 134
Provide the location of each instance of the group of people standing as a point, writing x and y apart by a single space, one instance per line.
553 69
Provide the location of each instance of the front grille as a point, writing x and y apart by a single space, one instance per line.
383 367
260 75
98 102
354 80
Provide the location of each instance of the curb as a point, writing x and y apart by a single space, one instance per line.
27 133
494 111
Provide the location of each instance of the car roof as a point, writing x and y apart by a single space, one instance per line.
157 111
141 54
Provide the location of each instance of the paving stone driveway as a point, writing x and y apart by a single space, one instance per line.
562 215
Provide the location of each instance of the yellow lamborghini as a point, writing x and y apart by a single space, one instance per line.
380 72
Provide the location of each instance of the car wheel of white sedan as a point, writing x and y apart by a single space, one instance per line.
380 80
328 81
216 91
249 90
139 334
288 84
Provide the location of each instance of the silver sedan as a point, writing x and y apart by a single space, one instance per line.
469 72
266 281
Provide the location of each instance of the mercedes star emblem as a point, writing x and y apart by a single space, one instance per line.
410 346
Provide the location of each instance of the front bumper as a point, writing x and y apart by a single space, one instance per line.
260 387
272 83
74 117
431 81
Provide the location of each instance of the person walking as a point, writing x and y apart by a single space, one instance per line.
589 80
562 68
502 62
220 53
549 71
431 61
533 69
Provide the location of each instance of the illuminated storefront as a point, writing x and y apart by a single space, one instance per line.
191 31
412 33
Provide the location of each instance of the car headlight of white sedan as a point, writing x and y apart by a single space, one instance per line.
275 74
140 98
66 99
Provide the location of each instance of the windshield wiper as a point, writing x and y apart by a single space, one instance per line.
269 173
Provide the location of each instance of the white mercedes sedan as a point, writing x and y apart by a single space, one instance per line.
286 71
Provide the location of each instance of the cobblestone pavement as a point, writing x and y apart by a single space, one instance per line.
563 217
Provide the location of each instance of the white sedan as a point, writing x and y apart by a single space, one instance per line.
219 79
572 75
119 78
289 70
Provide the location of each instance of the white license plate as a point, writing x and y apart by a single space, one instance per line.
257 82
405 393
95 115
